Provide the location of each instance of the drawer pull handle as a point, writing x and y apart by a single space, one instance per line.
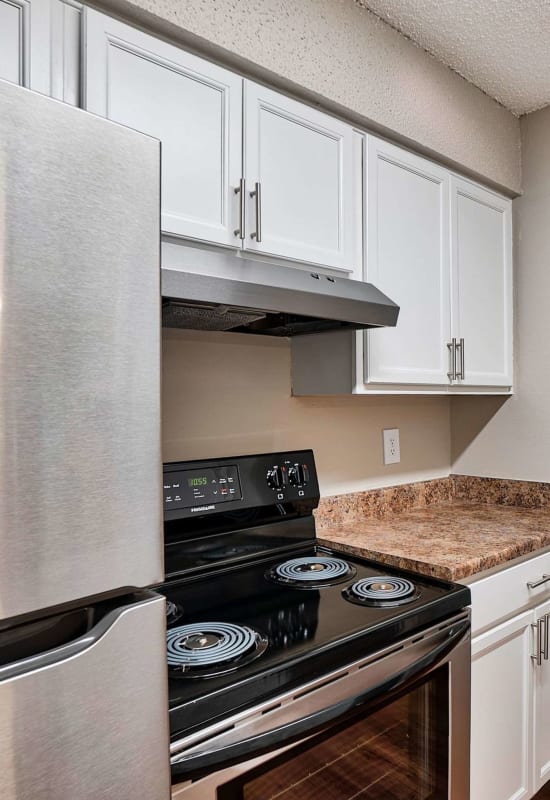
534 584
546 633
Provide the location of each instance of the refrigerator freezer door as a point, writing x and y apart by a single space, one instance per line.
80 461
91 723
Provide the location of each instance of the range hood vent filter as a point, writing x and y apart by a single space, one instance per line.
207 317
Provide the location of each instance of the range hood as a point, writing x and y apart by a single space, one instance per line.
219 291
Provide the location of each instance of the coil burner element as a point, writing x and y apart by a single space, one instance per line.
207 649
311 572
382 591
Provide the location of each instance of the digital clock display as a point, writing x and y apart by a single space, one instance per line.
204 487
200 481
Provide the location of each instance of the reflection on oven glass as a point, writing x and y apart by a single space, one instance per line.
397 753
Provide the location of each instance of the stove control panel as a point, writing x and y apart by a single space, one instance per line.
198 487
194 488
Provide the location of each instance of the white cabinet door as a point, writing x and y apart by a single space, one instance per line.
541 704
14 34
501 711
407 257
481 225
304 162
39 46
194 108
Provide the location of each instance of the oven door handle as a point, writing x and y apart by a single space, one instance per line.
217 752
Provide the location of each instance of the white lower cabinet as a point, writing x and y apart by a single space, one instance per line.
501 694
541 703
510 736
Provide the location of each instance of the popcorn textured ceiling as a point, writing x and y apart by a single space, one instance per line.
501 46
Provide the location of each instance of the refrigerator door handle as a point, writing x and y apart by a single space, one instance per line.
73 647
91 715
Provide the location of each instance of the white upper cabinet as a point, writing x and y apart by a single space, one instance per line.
440 247
303 163
39 46
194 108
407 257
481 225
13 30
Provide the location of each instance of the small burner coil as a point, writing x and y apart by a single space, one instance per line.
382 590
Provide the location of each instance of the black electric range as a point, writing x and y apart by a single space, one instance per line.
254 605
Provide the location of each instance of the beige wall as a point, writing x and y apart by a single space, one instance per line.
343 56
225 394
512 439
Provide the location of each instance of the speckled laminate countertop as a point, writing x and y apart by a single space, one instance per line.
451 540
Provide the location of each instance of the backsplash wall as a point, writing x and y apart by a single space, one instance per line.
227 394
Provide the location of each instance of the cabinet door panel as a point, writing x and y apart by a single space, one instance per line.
407 258
12 32
36 51
304 162
192 106
501 719
541 706
66 34
482 282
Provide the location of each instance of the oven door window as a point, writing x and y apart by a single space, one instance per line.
398 751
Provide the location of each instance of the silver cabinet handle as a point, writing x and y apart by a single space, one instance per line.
257 193
461 374
241 189
534 584
546 632
451 347
541 641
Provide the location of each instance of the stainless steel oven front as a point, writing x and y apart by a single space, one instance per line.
395 724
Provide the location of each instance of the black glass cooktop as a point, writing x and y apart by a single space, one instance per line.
302 632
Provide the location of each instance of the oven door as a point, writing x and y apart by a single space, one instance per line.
395 726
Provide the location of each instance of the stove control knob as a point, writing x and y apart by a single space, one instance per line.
274 478
294 474
298 474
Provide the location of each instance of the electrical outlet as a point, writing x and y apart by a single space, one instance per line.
392 453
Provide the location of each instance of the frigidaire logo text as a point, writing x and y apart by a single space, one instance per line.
202 508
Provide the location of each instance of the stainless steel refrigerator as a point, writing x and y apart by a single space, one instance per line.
83 688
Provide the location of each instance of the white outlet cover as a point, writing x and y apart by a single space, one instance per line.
392 451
